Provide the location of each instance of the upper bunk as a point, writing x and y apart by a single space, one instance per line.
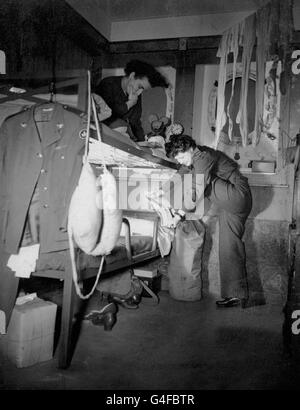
18 92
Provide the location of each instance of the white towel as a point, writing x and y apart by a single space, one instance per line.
24 263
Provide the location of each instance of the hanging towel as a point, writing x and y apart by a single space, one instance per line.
223 54
235 42
249 38
262 51
230 43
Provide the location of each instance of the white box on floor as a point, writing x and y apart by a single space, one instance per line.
30 333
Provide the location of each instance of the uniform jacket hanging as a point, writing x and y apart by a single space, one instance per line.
52 161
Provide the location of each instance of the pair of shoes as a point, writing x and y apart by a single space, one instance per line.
228 302
106 317
129 303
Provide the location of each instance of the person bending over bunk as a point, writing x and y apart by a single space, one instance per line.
227 189
123 94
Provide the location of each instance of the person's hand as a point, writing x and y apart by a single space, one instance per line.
133 95
159 198
102 108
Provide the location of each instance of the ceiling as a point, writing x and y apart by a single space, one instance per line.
120 10
129 20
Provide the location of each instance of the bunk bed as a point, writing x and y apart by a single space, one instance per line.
131 249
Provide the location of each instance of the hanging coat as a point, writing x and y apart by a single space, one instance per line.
53 162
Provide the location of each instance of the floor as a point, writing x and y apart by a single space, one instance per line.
174 345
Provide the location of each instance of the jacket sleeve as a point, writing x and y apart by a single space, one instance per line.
135 121
203 164
199 177
111 95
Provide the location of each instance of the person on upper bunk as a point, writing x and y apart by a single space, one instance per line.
123 95
228 190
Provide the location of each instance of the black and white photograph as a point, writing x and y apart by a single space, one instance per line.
149 198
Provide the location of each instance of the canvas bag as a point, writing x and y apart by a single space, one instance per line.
184 271
85 215
94 220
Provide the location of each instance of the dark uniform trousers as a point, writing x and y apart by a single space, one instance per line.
229 191
234 200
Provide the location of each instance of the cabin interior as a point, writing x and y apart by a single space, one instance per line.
48 47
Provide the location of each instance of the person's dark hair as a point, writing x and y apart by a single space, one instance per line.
142 69
179 143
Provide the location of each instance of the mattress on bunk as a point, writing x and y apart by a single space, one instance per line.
118 150
57 260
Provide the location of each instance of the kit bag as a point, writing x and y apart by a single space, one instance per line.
94 219
85 213
184 271
112 215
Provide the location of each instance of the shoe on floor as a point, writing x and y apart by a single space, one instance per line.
105 317
228 302
129 303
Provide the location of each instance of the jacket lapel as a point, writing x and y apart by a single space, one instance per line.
53 129
28 131
55 126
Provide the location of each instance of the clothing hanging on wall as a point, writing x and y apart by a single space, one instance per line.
223 54
39 169
273 27
281 28
275 30
235 43
230 43
44 158
248 44
263 44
